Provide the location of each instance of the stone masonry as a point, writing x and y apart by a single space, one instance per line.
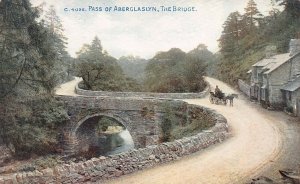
142 94
103 168
141 117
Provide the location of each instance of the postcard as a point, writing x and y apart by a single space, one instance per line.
150 91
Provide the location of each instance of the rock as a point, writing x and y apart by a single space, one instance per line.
8 181
118 173
19 178
262 180
110 169
152 157
102 158
38 173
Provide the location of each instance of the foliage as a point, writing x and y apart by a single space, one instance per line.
198 122
291 7
100 71
104 123
63 64
33 126
211 60
251 16
133 67
289 109
167 123
42 163
242 44
172 71
30 117
175 71
174 125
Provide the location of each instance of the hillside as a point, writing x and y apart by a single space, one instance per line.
245 37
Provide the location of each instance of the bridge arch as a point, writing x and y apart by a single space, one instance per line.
86 139
124 122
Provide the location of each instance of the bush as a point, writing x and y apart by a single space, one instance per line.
175 72
175 125
42 163
34 128
196 126
289 109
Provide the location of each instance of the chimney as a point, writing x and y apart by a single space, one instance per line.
294 46
270 51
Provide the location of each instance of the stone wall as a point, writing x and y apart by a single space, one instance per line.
142 94
141 117
103 168
5 153
277 79
244 87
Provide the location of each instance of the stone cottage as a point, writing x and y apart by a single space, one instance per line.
291 96
276 76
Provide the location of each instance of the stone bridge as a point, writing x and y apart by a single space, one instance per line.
141 117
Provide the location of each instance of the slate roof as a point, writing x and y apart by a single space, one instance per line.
293 85
279 60
270 64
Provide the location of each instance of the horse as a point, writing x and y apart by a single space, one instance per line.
215 99
230 97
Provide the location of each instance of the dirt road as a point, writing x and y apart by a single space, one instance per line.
255 148
68 88
261 142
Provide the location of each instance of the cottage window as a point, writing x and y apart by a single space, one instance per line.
289 95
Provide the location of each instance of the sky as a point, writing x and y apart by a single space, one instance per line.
145 33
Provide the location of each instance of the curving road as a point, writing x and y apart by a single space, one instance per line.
255 145
260 143
68 88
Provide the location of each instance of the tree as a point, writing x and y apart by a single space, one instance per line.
64 62
274 12
133 67
251 16
98 70
175 71
292 7
206 57
29 112
231 35
276 29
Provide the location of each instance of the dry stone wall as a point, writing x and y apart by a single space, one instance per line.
244 87
142 94
103 168
5 153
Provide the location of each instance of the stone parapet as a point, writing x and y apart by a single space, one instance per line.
80 91
104 168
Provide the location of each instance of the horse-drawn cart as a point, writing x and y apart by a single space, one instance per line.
217 99
222 98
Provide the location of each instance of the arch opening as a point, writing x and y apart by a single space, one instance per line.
102 135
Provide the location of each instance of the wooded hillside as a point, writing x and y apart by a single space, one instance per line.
245 37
